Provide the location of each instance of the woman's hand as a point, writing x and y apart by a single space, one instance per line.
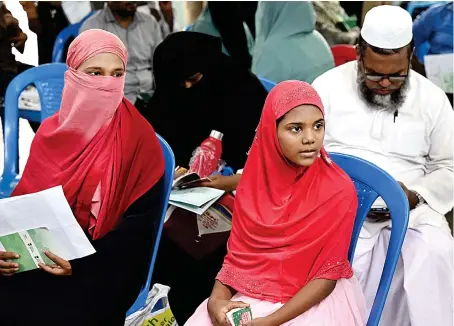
218 309
8 268
260 322
221 182
61 268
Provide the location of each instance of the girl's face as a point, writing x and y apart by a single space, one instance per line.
103 64
300 133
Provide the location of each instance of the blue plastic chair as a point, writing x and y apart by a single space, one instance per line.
371 182
268 84
64 36
168 180
49 80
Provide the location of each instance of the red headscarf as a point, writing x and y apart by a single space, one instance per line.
290 225
97 137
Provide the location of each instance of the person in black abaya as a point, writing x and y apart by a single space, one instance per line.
199 89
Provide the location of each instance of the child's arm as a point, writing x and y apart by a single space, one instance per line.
310 295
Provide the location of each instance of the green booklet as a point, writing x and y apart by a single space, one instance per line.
239 316
30 245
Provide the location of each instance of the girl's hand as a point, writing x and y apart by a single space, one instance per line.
8 268
218 309
221 182
61 268
260 322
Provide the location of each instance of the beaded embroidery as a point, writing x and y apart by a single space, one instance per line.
335 268
239 281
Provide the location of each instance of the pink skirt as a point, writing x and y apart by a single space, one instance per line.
345 306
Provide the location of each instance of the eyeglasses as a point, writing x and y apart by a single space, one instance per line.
391 78
379 77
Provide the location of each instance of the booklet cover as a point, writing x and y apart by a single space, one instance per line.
239 316
30 245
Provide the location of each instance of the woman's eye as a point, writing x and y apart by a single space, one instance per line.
94 73
118 74
318 126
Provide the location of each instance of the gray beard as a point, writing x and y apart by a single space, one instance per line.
389 102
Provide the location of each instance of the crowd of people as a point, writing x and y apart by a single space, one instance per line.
132 74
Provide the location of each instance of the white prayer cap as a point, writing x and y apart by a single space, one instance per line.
387 27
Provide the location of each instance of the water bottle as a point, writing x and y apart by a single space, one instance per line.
206 157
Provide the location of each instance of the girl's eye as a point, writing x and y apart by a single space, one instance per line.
296 129
94 73
319 126
118 74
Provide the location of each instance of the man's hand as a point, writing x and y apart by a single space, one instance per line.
412 198
62 267
7 268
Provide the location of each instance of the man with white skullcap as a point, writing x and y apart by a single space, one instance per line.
378 109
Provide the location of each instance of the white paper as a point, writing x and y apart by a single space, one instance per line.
439 70
50 209
195 196
213 221
195 209
29 99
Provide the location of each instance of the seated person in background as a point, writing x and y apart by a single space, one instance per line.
110 163
333 23
141 34
163 12
292 225
198 89
228 21
434 25
380 110
287 46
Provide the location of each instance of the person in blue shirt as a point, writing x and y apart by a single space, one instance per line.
434 26
433 29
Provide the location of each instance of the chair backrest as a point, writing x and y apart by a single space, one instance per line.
49 80
168 180
268 84
64 35
343 53
370 182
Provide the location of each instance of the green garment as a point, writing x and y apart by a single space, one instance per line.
287 46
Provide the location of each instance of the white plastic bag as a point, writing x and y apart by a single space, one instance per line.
148 317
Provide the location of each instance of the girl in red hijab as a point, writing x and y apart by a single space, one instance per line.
108 160
292 224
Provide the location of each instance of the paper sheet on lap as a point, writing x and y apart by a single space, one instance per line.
48 209
196 200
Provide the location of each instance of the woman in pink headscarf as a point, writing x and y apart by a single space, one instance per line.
110 164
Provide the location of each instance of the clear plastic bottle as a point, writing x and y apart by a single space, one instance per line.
206 157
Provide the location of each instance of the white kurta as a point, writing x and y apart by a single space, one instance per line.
416 149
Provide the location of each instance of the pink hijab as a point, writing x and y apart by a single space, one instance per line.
291 225
96 137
